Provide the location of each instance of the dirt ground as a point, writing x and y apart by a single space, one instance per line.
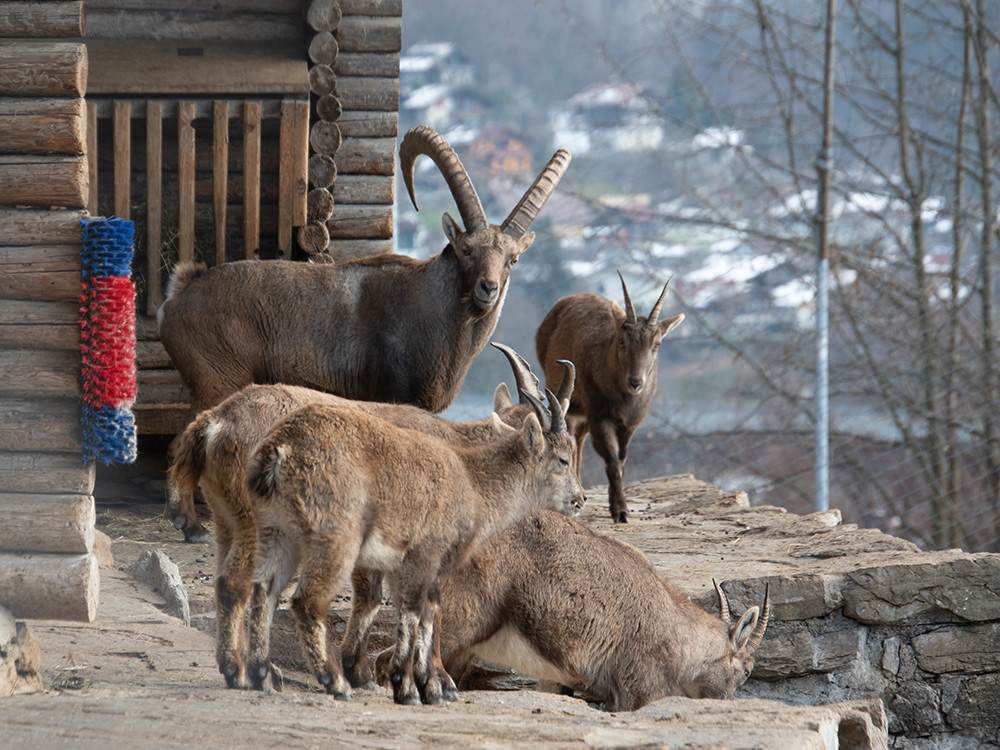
137 677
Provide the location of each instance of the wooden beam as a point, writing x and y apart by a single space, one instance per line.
32 226
154 205
220 176
348 249
123 159
369 124
42 20
92 160
251 179
42 273
286 178
43 69
366 156
364 188
301 172
57 473
41 425
47 523
366 93
370 33
41 373
43 181
360 222
43 126
185 180
50 586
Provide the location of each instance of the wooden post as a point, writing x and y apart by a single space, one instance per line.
92 159
251 178
185 179
154 205
220 176
49 587
286 178
301 162
123 158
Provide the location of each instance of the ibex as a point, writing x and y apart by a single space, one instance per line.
388 328
213 452
552 599
339 491
615 353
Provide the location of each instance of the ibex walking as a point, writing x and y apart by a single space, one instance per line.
388 328
339 490
213 452
555 600
615 354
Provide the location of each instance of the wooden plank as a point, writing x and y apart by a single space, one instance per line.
64 336
161 419
154 205
360 222
32 226
238 6
42 20
45 472
50 586
348 249
123 158
42 425
161 387
204 109
47 523
363 188
43 126
43 181
251 179
41 272
367 93
286 178
194 26
301 172
42 373
196 66
43 68
185 180
146 328
151 354
369 124
370 34
92 160
220 176
371 7
366 156
381 64
30 313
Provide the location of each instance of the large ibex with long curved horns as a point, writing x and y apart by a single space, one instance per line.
387 328
615 353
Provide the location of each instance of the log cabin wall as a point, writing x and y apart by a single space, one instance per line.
47 566
346 53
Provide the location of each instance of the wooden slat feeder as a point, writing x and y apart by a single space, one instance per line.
181 95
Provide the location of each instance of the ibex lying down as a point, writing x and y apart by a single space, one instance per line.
615 354
554 600
388 328
213 452
339 490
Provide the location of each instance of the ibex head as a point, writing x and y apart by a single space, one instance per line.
639 341
721 677
485 252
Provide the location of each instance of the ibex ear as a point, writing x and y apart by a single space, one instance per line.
451 229
740 633
533 438
669 324
500 428
525 242
501 398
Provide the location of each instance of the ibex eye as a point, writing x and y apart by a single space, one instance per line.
563 462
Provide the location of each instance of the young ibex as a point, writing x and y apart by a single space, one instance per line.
338 491
615 354
214 450
554 600
388 328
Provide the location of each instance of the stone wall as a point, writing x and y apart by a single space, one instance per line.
855 613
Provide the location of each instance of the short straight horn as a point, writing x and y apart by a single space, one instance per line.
654 314
558 423
565 390
629 310
526 211
758 632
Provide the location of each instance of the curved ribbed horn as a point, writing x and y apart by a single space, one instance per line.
629 310
565 389
758 632
555 409
427 141
540 411
517 222
723 603
524 378
654 314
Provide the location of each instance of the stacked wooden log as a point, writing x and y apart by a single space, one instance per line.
354 77
47 566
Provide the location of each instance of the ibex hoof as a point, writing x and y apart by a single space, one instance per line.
196 534
180 521
450 694
346 697
231 672
620 517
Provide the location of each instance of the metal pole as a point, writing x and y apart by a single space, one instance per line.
824 163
